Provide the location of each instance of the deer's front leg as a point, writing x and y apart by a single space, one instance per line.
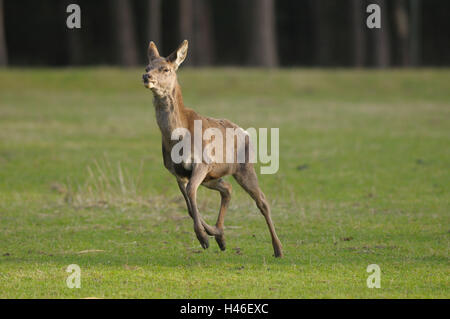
211 231
198 175
182 185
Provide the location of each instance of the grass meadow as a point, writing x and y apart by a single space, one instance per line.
364 178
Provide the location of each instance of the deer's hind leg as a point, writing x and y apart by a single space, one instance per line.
246 177
225 194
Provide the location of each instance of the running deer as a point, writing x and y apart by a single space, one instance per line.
171 113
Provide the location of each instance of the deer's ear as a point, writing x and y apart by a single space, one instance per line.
152 51
177 57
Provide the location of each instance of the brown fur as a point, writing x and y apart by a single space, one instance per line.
171 113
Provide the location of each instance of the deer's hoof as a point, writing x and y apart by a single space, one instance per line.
277 249
278 254
203 239
204 243
221 242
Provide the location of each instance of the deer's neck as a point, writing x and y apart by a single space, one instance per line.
169 110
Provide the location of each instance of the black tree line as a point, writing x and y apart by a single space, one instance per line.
264 33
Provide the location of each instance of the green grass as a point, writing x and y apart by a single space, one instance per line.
81 169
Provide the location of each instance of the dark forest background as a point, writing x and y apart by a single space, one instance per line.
266 33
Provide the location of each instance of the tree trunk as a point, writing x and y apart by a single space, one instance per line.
382 38
196 27
322 48
402 28
123 22
358 28
187 26
415 37
263 46
3 47
202 33
154 23
74 46
72 38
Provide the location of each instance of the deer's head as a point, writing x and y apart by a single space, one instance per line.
160 74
